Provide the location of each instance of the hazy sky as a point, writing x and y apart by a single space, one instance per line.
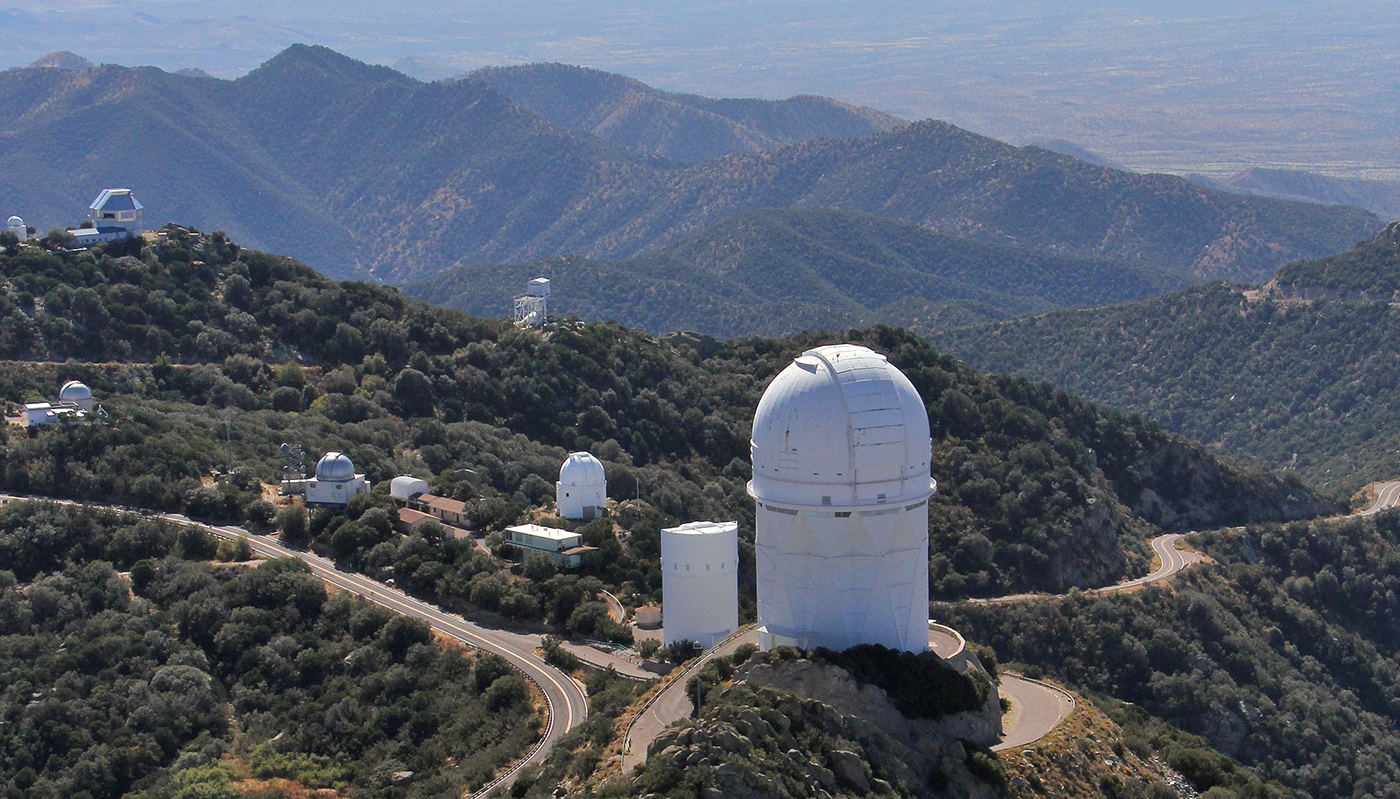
1180 86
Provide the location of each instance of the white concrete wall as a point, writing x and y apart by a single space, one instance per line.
700 583
838 577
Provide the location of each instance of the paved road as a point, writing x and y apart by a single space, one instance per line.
1036 709
1387 495
1172 560
568 704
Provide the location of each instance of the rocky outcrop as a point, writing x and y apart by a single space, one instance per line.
760 742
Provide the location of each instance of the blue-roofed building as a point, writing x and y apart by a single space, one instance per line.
115 214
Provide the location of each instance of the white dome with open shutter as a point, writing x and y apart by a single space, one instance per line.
841 457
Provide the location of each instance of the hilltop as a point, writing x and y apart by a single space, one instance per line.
203 324
1284 377
686 127
363 171
1380 197
777 272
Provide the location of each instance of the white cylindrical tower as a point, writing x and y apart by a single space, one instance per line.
700 582
582 490
76 394
841 454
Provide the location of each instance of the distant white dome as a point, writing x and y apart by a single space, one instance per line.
582 469
335 467
74 392
15 221
840 426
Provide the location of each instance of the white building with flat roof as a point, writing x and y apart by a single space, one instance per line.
563 547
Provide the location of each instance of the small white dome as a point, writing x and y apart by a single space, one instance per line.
841 426
15 221
73 391
335 467
582 469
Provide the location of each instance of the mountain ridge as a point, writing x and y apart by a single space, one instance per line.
367 172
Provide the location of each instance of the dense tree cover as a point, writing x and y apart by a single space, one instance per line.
1038 489
1371 269
686 127
775 272
355 167
1283 654
181 679
1306 386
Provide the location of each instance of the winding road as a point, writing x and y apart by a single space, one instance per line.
568 704
1036 707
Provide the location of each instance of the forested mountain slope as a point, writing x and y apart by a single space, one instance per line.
360 170
686 127
776 272
1284 382
401 385
132 666
1283 652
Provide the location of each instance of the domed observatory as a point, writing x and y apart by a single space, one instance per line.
700 582
335 481
76 394
582 490
841 453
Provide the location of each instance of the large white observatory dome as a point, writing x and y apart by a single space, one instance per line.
841 455
335 467
582 490
76 394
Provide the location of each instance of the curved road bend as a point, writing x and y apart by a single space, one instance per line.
568 704
1387 495
1036 709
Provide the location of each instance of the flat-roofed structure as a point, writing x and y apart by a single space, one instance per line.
563 547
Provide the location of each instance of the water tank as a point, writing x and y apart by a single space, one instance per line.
700 582
539 287
841 458
76 393
335 467
405 488
582 490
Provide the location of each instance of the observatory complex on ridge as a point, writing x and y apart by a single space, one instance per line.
841 454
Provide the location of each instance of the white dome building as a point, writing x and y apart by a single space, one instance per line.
582 490
16 226
700 582
841 456
76 394
335 481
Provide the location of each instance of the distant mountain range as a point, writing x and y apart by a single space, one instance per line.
363 171
686 127
1302 374
774 272
1380 197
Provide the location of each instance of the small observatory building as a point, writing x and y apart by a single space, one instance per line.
700 582
335 481
76 394
582 490
841 456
